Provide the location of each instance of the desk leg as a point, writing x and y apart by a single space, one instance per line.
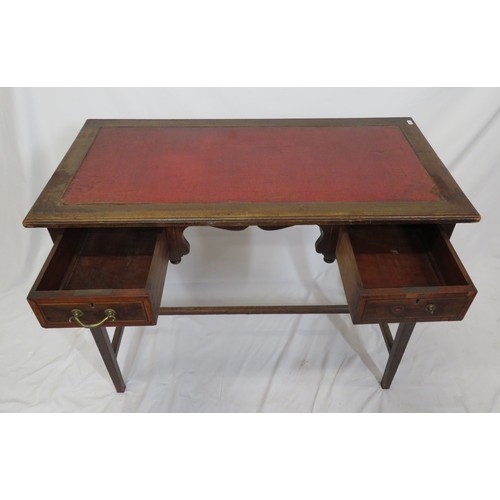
386 333
109 357
117 339
396 353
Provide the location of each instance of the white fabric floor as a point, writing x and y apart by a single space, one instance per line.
249 363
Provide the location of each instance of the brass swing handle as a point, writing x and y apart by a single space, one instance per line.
76 314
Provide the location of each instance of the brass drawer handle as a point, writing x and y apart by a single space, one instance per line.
430 308
76 314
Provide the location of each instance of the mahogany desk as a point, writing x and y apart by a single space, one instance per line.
119 202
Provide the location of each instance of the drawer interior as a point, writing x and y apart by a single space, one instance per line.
101 259
404 256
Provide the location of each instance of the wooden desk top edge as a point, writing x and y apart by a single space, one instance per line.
49 211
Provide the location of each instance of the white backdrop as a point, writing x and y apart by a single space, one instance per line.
249 363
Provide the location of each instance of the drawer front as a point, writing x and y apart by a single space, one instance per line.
424 309
399 273
96 270
127 314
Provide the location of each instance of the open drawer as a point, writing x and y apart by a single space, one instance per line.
398 273
108 276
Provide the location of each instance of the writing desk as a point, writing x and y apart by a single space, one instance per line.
119 202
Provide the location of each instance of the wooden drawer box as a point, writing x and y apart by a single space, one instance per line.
398 273
95 271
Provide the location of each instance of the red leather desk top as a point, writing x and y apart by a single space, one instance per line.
273 172
128 165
